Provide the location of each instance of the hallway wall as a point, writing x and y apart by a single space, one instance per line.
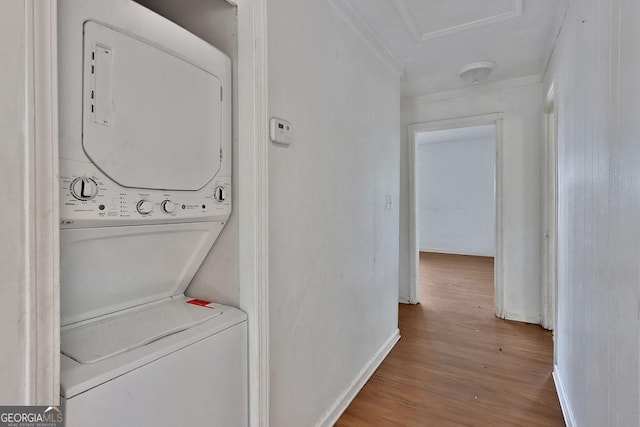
333 244
595 68
521 178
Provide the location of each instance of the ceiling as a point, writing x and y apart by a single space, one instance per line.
431 39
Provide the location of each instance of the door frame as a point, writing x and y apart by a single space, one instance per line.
414 250
253 198
41 286
549 283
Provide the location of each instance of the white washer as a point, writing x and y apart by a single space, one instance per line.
167 364
145 162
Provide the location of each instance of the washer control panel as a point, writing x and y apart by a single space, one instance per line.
90 199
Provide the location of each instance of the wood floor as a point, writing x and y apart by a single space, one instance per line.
456 363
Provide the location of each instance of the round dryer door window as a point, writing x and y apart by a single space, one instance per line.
151 120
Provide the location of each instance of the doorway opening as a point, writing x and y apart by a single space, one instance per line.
455 197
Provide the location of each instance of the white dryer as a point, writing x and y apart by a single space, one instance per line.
145 163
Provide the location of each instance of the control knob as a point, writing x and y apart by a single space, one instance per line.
84 188
220 194
145 207
168 206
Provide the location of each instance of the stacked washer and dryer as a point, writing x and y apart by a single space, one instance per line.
145 164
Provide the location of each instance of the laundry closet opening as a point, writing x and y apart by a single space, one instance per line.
148 242
455 207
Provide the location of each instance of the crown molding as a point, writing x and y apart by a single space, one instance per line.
419 35
471 90
355 21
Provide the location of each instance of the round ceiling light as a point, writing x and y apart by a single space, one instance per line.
477 71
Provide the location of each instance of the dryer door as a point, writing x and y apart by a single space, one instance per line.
151 120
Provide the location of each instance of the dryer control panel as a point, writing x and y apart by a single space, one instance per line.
90 199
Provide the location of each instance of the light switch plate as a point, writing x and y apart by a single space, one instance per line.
280 131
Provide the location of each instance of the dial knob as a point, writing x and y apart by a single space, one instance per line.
168 206
220 194
145 207
84 188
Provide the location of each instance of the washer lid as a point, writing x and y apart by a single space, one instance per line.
76 378
150 119
105 338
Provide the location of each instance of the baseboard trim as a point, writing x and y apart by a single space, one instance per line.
345 398
562 397
404 300
519 317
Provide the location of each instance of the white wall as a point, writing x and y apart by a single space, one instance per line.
520 165
595 68
333 246
13 297
215 22
456 197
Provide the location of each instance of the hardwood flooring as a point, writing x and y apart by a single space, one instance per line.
456 363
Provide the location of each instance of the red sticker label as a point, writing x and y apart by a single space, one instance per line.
200 302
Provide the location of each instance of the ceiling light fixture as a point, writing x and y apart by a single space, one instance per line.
477 71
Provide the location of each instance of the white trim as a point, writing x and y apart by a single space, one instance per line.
253 199
414 225
548 285
453 140
567 413
455 123
404 300
520 317
409 20
414 255
355 21
498 265
347 396
551 93
42 283
472 90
